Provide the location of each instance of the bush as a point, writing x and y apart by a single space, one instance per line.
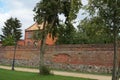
45 70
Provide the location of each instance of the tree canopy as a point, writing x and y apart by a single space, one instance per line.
50 10
95 31
11 32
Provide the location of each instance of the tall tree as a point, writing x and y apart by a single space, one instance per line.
11 31
11 34
47 12
109 11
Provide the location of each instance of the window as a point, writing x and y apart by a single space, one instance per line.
29 35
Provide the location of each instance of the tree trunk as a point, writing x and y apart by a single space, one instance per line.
13 63
42 49
115 61
42 52
118 73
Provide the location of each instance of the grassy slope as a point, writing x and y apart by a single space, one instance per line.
15 75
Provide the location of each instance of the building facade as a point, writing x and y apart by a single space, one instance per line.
29 32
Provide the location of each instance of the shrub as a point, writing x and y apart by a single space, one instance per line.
45 70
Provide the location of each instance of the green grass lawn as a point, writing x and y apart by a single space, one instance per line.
16 75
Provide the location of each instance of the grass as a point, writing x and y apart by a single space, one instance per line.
16 75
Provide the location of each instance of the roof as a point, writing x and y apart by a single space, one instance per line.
35 26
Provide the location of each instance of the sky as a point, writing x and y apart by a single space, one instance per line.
22 10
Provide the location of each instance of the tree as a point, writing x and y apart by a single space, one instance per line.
8 41
95 31
89 31
11 31
11 34
65 35
109 11
47 12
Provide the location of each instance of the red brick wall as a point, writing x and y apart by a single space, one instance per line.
61 58
99 55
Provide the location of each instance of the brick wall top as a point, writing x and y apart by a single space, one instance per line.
87 47
77 46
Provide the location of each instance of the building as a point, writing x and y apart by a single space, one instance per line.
21 43
28 37
29 41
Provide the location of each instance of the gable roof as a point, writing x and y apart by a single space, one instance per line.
35 26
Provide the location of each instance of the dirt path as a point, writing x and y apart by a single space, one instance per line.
91 76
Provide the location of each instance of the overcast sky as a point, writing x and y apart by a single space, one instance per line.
21 9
